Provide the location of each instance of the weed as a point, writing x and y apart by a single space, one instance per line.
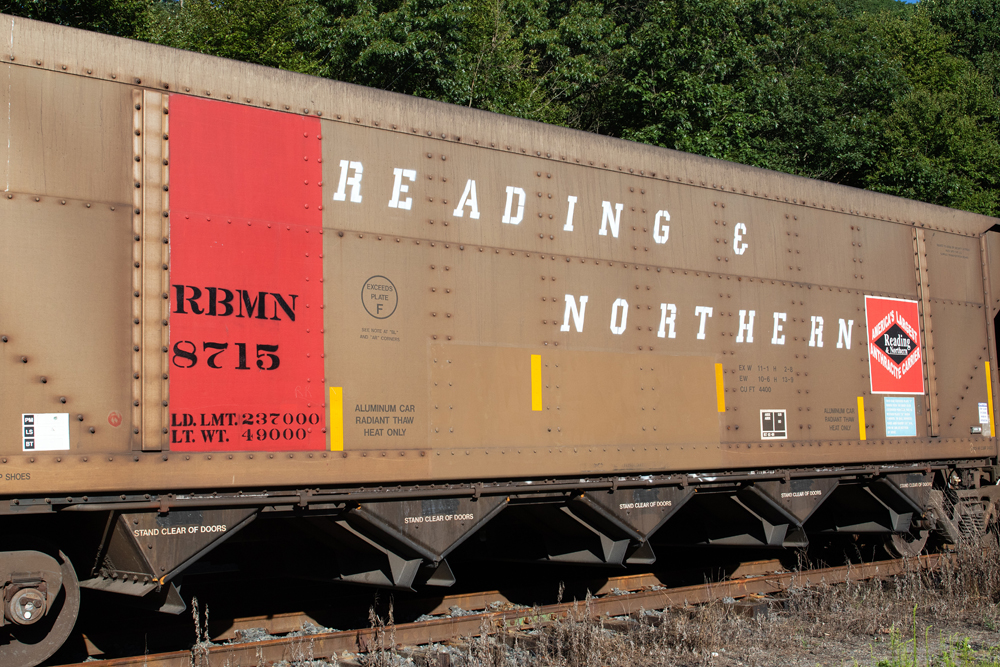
894 616
382 650
202 640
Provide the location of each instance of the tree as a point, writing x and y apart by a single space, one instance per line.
868 93
975 25
275 33
124 18
941 140
780 84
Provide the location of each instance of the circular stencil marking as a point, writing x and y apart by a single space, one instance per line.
379 297
115 418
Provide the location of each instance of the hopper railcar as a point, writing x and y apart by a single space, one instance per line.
229 292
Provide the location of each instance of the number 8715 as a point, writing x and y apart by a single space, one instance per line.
186 355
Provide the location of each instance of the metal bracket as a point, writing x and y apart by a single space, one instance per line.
150 278
926 331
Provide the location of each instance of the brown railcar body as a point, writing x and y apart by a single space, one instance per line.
593 330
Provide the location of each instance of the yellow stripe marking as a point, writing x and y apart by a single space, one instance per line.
861 417
720 392
336 419
989 399
536 382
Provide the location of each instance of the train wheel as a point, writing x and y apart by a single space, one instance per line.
41 608
906 545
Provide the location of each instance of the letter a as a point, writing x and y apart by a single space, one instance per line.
468 199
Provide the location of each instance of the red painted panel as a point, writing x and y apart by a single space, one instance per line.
246 269
894 346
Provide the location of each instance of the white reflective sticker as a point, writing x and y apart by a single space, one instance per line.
44 432
984 414
900 417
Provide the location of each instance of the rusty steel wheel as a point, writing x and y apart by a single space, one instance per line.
906 545
40 607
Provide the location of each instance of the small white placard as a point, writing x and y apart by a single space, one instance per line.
984 414
773 425
44 431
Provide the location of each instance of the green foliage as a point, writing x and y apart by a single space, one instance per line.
975 25
941 143
517 57
876 94
124 18
266 32
953 653
855 7
786 85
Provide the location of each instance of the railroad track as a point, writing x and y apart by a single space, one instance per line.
621 596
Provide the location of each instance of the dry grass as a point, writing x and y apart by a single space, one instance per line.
867 615
917 618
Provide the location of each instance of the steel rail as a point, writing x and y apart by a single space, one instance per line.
279 624
327 645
